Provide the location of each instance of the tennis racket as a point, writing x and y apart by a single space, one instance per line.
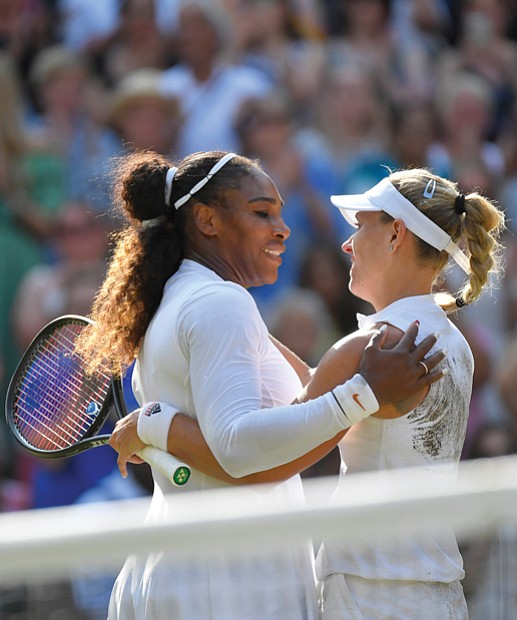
55 409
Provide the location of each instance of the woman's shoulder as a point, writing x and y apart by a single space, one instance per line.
210 300
358 340
224 292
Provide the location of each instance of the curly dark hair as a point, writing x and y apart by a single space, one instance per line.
145 257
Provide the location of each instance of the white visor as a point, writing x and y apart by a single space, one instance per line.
385 197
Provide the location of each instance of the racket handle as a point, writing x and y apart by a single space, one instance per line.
176 472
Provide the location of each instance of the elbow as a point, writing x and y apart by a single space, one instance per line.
235 466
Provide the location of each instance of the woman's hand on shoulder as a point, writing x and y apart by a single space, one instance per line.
396 374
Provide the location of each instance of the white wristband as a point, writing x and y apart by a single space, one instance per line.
153 425
356 399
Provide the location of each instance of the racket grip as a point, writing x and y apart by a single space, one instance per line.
175 471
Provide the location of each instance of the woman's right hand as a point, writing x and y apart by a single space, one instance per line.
395 374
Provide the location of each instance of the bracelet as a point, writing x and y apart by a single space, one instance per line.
154 421
356 399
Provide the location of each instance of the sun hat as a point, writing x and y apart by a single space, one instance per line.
141 85
384 196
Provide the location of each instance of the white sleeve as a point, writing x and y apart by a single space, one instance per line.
225 345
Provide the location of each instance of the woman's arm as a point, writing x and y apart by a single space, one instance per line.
342 361
187 443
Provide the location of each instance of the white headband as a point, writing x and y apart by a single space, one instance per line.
385 197
181 201
169 178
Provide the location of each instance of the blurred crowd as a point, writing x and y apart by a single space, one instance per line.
327 94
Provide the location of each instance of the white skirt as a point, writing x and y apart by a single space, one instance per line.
346 597
276 587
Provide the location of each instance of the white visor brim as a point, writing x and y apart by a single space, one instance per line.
385 197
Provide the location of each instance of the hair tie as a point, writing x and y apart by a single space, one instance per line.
153 222
460 302
459 204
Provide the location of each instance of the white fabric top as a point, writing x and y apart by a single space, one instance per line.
207 352
430 435
209 108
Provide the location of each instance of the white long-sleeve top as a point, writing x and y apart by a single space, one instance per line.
207 352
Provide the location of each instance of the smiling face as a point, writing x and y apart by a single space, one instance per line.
250 232
369 250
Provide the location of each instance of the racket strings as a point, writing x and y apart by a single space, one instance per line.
55 419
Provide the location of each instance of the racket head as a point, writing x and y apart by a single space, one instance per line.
52 405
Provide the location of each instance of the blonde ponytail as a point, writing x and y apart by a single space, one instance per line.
472 221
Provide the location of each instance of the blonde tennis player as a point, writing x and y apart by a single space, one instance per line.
408 226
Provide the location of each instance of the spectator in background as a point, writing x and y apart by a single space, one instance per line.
69 109
210 89
65 286
367 37
26 27
485 50
325 270
31 191
430 24
465 106
267 132
414 131
86 25
68 284
142 116
136 43
301 321
284 42
89 25
351 129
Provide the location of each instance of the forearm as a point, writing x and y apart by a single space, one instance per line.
186 442
257 440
